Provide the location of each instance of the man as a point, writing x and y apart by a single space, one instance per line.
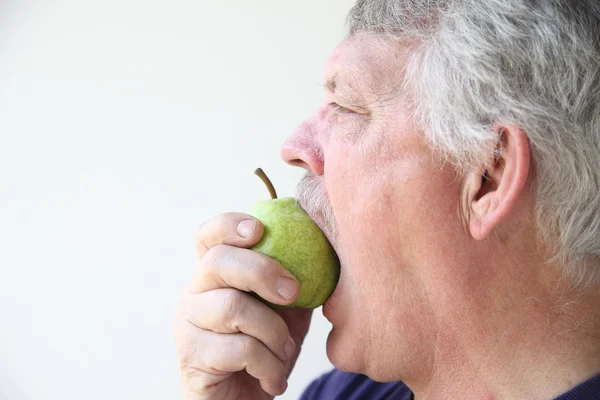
455 166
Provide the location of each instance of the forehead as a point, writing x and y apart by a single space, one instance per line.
366 63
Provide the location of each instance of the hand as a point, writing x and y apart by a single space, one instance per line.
231 345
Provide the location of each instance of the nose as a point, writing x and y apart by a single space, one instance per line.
302 148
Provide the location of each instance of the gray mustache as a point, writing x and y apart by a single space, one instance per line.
314 198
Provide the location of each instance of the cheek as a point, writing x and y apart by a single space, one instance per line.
395 211
363 194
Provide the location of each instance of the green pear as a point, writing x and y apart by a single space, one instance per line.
296 241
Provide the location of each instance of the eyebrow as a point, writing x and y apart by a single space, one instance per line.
335 82
331 84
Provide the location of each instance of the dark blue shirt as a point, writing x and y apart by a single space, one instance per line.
337 385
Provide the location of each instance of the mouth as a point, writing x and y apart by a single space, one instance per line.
317 218
329 305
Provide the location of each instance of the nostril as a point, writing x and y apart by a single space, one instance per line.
298 163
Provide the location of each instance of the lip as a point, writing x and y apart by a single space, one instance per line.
325 309
329 304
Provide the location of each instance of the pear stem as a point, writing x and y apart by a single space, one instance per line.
261 174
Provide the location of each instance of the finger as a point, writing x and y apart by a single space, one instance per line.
234 229
232 311
220 354
207 359
227 266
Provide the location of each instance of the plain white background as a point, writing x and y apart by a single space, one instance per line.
124 124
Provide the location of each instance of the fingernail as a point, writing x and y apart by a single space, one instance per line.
286 287
290 347
246 228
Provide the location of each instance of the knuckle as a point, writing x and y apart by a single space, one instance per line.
200 236
266 268
234 304
199 232
210 232
249 347
189 310
217 254
214 257
180 327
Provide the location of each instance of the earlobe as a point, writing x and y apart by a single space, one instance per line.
483 212
493 200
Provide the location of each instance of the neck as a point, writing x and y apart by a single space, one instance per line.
511 341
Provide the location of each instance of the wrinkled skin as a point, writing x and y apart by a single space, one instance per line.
439 269
443 282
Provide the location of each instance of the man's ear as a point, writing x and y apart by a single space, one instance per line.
493 194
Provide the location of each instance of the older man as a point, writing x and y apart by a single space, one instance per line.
455 166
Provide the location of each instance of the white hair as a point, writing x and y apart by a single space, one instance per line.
313 197
534 63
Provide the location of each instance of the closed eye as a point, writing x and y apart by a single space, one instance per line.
339 108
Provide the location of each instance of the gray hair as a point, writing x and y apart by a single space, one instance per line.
534 63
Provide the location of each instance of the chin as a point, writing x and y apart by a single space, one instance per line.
341 353
347 354
341 339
